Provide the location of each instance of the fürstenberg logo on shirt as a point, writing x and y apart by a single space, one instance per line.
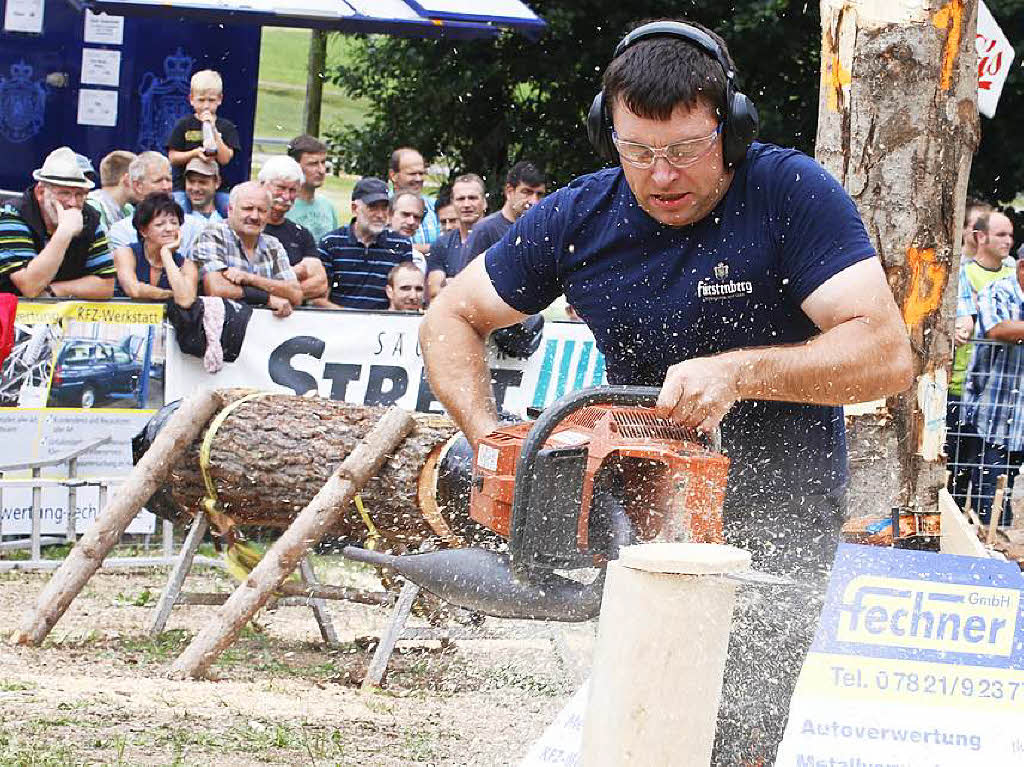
709 290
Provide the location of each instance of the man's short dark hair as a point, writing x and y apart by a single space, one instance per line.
444 197
114 165
654 76
525 172
399 267
305 144
153 205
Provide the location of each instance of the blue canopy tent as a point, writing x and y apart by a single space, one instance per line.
99 75
458 19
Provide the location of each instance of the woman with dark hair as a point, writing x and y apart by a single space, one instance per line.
152 269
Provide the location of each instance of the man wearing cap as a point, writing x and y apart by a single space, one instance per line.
315 213
50 242
358 257
199 198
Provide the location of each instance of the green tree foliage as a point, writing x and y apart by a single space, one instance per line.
482 105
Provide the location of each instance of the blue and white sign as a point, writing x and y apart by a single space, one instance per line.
918 660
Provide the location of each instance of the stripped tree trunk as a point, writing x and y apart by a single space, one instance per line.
898 125
272 455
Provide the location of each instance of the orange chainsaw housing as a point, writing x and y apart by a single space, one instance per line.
674 484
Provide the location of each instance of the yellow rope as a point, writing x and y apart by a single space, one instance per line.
210 504
373 536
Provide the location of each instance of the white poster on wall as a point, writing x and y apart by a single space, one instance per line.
97 107
24 16
103 29
101 67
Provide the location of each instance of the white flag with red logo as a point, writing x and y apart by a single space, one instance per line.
995 54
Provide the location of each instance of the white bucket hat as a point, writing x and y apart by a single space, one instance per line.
61 168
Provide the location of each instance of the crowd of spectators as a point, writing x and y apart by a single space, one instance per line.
985 404
167 227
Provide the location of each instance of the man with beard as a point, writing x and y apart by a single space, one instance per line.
51 244
282 177
358 257
449 253
237 260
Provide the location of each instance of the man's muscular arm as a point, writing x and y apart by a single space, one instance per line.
1007 331
452 337
863 353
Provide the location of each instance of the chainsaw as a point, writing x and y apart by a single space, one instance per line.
596 471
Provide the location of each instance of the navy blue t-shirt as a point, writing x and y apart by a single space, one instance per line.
654 295
448 254
486 232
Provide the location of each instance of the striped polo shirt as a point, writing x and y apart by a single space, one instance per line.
358 273
23 236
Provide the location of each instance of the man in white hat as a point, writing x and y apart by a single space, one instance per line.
51 243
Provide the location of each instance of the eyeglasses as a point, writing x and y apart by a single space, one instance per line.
679 155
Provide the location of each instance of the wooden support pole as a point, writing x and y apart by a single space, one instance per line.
88 554
282 558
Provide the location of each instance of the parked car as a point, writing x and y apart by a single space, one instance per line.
88 371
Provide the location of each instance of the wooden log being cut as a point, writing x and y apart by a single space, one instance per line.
271 455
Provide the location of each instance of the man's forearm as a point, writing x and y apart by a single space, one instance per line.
457 371
290 291
848 363
1008 331
38 273
91 287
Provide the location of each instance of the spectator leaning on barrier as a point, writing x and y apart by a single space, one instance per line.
153 269
358 257
449 252
237 260
51 243
151 172
315 212
993 393
187 141
113 200
202 178
407 170
282 177
405 288
990 239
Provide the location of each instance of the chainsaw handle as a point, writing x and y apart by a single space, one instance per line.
629 396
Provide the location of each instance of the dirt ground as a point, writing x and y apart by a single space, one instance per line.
95 692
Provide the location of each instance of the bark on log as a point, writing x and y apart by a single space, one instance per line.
898 125
88 554
332 500
272 455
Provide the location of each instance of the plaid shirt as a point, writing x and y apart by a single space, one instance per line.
218 247
966 296
994 391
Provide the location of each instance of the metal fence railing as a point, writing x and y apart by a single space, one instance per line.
985 429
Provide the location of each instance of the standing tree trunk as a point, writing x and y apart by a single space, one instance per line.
898 125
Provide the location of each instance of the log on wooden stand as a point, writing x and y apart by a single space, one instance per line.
88 554
272 455
312 523
898 125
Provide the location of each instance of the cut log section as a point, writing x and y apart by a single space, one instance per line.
271 455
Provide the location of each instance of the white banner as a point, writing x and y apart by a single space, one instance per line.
374 358
995 55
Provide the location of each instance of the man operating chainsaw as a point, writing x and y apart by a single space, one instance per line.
737 276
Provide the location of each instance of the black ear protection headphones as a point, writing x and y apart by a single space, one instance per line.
739 124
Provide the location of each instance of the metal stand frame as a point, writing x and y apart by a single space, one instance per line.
172 593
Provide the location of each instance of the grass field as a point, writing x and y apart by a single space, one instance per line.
282 93
282 85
